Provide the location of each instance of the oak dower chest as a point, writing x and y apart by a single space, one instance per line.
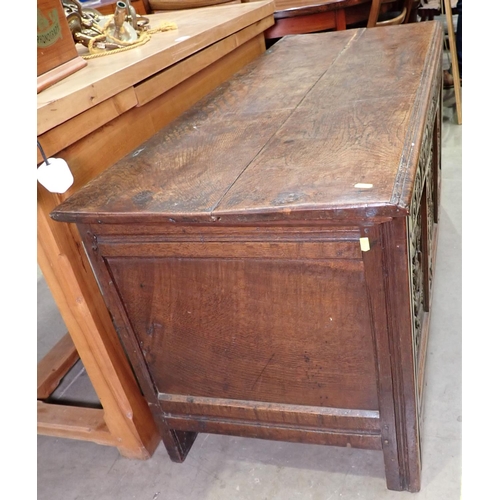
268 258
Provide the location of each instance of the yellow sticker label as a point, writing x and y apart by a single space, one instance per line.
365 244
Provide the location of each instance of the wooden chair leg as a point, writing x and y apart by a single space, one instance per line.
374 13
454 60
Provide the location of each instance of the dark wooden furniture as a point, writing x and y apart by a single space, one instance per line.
268 258
311 16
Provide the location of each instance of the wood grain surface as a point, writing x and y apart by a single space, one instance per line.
291 107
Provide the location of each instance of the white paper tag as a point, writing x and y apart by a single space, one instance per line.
55 176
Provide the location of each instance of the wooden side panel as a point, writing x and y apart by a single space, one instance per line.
84 124
271 328
433 199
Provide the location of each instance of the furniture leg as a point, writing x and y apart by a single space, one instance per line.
178 444
340 20
398 414
125 417
454 60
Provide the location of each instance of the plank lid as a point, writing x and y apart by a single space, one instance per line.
325 125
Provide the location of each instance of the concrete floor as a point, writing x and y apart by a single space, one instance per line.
222 467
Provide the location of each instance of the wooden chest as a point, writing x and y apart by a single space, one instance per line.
268 258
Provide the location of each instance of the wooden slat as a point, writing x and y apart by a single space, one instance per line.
55 75
167 79
54 366
275 432
322 251
245 411
87 122
86 424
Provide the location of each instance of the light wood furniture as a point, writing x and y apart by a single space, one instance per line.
400 15
269 257
92 119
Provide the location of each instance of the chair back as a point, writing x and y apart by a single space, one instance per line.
400 15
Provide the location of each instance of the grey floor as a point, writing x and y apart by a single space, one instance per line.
222 467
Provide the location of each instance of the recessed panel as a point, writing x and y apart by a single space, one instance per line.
282 331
